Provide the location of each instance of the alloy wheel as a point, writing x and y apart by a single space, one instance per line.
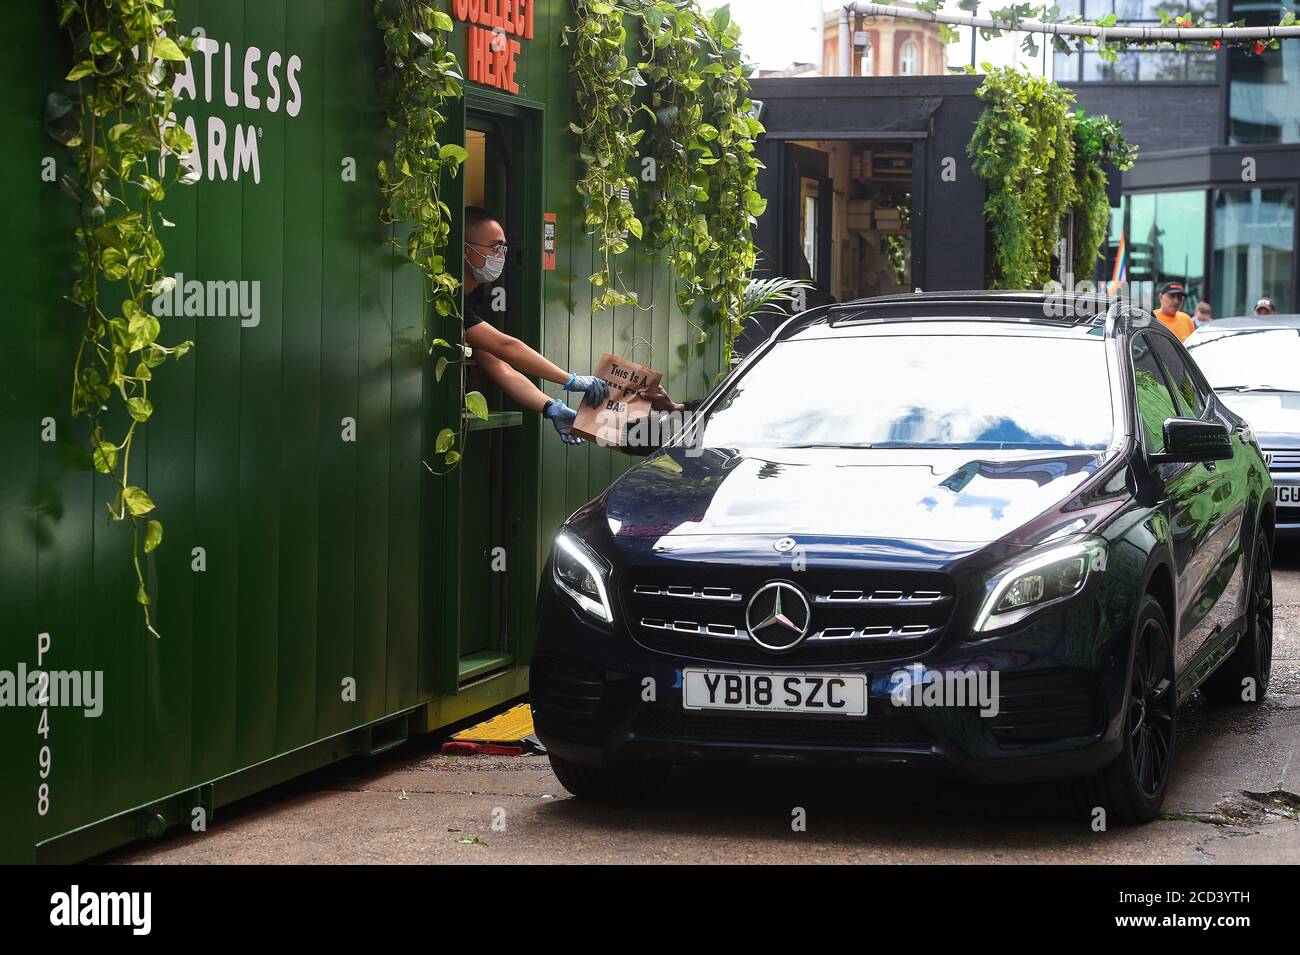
1261 614
1151 710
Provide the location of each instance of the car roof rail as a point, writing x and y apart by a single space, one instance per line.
1055 307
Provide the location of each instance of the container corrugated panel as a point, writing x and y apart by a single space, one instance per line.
324 559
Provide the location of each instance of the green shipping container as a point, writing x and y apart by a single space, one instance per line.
321 559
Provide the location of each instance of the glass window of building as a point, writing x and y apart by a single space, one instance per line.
1152 64
1165 237
1263 91
907 59
1254 232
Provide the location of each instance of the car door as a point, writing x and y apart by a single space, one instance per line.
1221 595
1204 531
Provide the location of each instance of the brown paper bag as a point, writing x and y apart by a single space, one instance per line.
627 380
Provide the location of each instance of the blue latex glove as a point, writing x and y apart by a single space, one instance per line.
562 416
596 389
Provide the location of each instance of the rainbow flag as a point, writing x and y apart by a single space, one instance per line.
1120 275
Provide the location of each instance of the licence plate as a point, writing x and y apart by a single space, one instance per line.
1288 494
828 694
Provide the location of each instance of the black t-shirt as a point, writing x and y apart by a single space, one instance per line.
474 308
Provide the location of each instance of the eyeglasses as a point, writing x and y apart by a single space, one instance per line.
500 248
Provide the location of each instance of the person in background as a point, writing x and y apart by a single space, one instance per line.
1265 306
505 359
1171 314
1203 315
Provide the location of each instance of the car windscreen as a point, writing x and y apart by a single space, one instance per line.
1267 358
958 391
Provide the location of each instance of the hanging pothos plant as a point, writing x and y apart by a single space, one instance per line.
1041 161
702 135
734 201
1023 148
1097 140
605 89
119 125
424 77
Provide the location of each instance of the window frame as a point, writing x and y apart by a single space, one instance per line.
1203 391
916 57
1137 404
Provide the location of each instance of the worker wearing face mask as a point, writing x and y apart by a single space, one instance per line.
504 358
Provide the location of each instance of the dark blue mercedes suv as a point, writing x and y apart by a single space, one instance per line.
1002 533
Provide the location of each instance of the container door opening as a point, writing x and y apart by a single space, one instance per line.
491 465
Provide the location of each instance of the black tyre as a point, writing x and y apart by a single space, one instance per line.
1243 677
609 783
1132 788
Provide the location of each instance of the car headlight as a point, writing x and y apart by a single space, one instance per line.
583 576
1044 576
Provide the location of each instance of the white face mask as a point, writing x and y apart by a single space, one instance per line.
493 266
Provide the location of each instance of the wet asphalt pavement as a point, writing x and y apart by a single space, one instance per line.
1235 798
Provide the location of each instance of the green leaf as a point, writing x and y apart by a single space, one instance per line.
104 457
83 69
165 48
451 457
153 535
139 408
137 501
439 367
477 405
453 153
446 438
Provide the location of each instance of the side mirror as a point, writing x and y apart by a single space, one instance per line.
1189 440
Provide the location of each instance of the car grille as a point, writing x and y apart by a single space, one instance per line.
887 726
1283 460
1046 705
856 616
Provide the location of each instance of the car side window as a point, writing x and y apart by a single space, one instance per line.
1154 399
1181 376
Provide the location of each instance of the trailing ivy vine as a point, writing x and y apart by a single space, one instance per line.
1023 148
424 76
119 124
701 147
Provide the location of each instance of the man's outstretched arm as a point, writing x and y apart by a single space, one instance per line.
519 356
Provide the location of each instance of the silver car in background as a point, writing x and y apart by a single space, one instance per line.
1253 364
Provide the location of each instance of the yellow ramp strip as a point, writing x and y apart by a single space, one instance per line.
508 727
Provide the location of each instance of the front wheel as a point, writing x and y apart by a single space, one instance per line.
609 783
1132 788
1243 677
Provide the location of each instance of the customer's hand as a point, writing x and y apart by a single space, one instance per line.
562 416
596 389
660 400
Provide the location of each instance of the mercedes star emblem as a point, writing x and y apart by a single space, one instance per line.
777 616
784 545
